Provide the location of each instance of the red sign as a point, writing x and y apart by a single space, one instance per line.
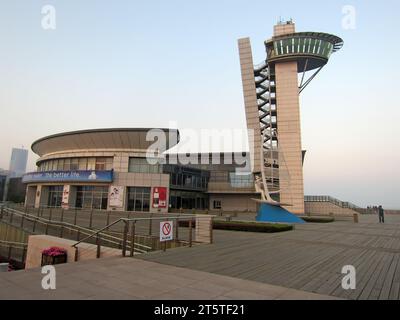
166 229
159 197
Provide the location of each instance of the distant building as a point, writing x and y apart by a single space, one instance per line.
16 190
3 179
19 159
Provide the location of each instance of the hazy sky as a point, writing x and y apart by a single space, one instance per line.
144 64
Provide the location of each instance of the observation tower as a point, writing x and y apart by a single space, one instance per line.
271 96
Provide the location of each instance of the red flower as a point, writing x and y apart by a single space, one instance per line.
54 251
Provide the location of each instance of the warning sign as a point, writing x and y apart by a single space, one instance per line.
166 231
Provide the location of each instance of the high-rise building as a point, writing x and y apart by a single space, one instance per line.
3 180
19 159
271 96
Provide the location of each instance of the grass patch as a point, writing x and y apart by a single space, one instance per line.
318 219
245 226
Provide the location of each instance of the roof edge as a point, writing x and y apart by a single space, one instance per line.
71 133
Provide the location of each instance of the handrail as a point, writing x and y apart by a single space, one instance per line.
97 232
94 210
343 204
12 242
111 239
129 220
126 238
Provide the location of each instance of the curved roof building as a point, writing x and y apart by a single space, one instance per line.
101 169
103 139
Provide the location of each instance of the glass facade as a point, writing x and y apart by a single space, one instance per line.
55 196
188 200
241 180
73 164
138 199
187 178
92 197
141 165
301 45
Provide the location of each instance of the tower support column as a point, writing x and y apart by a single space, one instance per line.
289 137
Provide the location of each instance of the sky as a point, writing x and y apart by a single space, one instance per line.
153 63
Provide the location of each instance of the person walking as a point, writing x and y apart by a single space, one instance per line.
381 214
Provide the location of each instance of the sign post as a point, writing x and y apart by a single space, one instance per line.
166 231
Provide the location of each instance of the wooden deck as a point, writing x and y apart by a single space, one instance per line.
309 258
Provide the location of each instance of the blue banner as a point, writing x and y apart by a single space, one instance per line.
69 176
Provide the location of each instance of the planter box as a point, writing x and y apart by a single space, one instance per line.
50 260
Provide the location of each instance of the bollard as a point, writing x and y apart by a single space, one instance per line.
98 246
76 254
150 224
132 238
355 217
190 232
91 219
34 225
177 229
75 216
125 238
211 230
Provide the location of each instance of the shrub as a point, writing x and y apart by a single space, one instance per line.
244 226
318 219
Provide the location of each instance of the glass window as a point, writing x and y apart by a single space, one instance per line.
60 164
91 164
67 164
82 163
241 180
109 163
100 164
55 196
296 44
217 204
138 199
74 164
141 165
92 197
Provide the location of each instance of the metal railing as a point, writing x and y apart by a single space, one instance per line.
132 230
34 224
139 234
13 250
330 199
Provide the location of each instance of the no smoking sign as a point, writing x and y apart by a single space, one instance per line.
166 230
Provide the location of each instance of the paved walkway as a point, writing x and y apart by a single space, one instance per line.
129 278
309 258
239 265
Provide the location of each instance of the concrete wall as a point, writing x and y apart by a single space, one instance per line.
37 243
203 231
234 202
326 208
250 102
289 137
289 131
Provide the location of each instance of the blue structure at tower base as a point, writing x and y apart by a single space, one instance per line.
271 213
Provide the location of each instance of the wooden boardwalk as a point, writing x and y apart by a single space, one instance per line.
309 258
